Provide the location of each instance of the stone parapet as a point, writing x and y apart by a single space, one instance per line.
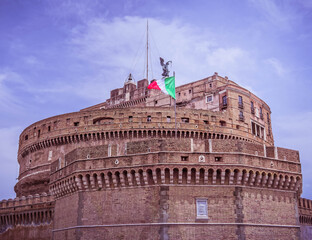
19 214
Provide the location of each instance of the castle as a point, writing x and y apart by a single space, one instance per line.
124 169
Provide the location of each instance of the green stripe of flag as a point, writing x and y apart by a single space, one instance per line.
170 86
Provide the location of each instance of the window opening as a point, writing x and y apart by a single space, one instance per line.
241 116
209 99
184 158
222 123
218 159
240 102
224 101
185 120
201 208
252 107
261 114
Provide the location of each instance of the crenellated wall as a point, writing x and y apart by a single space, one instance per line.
305 218
28 217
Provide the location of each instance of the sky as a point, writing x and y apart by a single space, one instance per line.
59 56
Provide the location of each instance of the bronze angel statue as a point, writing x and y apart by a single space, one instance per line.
165 67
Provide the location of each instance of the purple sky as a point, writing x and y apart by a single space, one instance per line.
59 56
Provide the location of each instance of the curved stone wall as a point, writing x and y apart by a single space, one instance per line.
50 139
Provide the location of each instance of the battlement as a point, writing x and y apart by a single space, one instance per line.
25 201
305 211
34 212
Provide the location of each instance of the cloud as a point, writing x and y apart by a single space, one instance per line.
294 132
110 47
281 14
8 99
277 66
68 11
31 60
306 4
8 160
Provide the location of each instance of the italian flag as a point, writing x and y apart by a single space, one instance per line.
166 85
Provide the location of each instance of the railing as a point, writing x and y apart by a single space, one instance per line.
223 105
252 110
181 174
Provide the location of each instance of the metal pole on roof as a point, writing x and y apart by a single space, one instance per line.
175 111
147 49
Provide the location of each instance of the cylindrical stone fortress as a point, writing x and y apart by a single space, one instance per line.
121 170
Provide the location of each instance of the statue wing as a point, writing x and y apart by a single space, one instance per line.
162 61
167 64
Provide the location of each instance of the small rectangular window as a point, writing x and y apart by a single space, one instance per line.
168 119
76 124
261 132
252 108
241 116
209 99
185 120
222 123
218 159
149 119
240 102
50 155
130 118
268 118
224 100
253 128
49 128
240 99
184 158
26 137
201 208
257 130
206 122
190 91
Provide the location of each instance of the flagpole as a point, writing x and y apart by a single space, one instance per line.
175 110
147 49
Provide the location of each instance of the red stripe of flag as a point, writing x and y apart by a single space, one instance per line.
154 85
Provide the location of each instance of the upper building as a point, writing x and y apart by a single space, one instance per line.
125 168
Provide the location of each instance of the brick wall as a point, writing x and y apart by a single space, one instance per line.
176 205
224 145
288 154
